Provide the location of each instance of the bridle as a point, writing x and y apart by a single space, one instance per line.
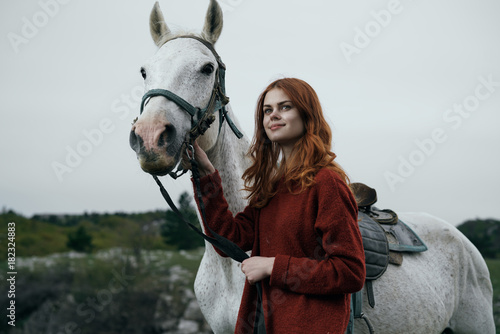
201 119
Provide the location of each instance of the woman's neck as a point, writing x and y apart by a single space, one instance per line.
286 152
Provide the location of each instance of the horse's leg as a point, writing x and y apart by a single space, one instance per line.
218 291
465 288
474 312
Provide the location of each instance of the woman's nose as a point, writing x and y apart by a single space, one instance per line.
275 115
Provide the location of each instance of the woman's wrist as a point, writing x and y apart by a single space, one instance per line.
205 172
205 167
270 265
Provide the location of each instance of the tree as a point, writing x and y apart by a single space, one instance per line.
175 232
80 240
484 234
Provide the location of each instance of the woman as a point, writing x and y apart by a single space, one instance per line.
301 221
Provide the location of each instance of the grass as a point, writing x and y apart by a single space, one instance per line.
32 237
39 238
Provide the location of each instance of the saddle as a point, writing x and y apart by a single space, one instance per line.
385 239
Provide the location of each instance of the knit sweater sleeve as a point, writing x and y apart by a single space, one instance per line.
339 266
239 229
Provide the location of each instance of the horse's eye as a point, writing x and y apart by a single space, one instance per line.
143 72
207 69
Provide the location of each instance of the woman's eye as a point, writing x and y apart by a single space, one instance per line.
143 73
286 107
268 111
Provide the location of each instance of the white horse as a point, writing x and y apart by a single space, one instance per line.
445 289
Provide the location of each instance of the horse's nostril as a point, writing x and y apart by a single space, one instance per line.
135 141
167 135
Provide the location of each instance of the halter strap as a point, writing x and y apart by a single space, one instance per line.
172 97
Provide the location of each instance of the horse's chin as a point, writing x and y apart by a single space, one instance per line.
158 165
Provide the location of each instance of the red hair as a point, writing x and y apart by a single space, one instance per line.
311 152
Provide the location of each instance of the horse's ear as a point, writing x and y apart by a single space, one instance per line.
157 26
213 22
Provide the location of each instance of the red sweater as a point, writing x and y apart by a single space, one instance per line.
318 250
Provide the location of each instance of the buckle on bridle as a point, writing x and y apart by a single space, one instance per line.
190 151
202 126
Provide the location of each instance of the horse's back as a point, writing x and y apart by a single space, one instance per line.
446 286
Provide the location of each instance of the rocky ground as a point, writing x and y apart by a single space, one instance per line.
113 291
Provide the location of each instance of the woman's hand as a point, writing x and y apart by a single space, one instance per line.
204 165
256 268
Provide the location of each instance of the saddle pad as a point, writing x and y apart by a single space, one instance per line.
375 246
407 240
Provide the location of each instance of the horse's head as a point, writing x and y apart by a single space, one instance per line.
187 68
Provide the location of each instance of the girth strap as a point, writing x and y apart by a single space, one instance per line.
357 313
369 293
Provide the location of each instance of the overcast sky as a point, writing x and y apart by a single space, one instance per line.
410 88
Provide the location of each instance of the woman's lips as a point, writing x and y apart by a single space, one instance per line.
276 126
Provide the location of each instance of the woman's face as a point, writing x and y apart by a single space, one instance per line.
282 121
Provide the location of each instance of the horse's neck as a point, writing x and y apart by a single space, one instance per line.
228 156
222 275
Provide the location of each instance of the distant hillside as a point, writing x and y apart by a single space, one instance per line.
46 234
484 234
98 218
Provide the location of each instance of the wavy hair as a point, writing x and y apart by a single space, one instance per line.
310 153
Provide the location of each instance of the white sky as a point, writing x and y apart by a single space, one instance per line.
74 64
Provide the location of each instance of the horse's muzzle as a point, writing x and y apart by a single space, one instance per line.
152 142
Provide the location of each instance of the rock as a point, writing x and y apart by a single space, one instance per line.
188 327
193 312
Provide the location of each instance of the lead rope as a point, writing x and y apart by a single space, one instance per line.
225 245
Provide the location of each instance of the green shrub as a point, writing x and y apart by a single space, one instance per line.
80 240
